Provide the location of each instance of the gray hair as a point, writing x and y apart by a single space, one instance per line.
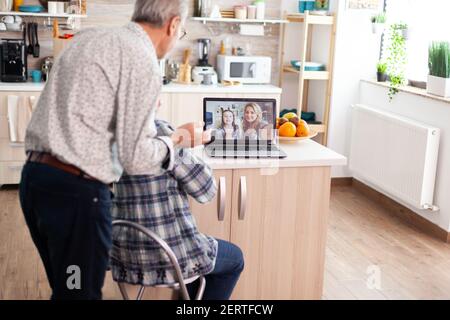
158 12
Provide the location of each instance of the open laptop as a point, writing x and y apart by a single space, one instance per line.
242 128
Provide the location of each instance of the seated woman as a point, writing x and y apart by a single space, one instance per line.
228 129
252 125
160 203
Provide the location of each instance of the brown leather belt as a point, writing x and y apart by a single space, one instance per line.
52 161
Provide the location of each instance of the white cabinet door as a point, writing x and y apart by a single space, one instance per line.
280 222
214 217
12 155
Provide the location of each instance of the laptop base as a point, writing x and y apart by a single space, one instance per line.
245 152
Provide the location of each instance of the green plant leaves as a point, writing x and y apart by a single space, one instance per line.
396 59
439 59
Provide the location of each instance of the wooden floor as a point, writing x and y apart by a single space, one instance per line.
370 255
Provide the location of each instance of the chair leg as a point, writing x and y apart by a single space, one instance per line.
123 291
140 293
184 293
201 289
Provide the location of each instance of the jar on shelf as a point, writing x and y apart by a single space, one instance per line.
306 5
83 7
197 8
205 8
74 7
251 12
17 4
240 12
322 5
260 9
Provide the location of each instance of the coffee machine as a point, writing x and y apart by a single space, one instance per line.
204 73
13 60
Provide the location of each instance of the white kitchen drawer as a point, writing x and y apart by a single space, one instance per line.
10 172
11 151
4 99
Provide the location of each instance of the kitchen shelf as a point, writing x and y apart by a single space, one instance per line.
310 18
307 21
309 75
204 20
42 14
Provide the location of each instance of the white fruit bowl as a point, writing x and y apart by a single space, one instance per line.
297 139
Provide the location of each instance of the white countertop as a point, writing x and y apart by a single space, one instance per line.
169 88
22 86
304 154
198 88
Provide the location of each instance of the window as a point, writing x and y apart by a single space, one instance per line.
427 21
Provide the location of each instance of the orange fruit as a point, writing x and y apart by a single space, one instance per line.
288 130
303 129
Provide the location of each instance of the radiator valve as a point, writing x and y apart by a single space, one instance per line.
430 207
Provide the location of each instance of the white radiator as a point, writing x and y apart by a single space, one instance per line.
397 155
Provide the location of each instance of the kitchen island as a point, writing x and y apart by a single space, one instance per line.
276 211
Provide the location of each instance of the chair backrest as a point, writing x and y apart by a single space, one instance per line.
168 251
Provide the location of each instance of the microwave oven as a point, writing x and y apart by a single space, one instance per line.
245 69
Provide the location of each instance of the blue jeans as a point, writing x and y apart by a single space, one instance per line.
222 280
70 223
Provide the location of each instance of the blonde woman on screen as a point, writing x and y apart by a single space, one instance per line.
253 123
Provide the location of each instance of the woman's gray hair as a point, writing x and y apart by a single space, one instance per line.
158 12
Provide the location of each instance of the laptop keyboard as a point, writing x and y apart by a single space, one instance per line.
239 150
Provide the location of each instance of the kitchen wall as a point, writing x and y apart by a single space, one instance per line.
118 12
356 54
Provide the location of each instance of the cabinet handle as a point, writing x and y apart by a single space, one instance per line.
16 167
222 198
17 144
242 197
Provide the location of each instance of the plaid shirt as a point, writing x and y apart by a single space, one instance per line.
160 203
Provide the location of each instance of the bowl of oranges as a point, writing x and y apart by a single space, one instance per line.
292 129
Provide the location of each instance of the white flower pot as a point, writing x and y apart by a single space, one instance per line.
438 86
377 28
406 33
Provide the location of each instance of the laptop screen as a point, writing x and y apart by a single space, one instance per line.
240 119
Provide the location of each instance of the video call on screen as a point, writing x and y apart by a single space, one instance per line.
238 120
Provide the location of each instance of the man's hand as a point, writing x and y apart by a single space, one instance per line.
191 135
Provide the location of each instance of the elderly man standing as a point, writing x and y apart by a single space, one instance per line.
95 118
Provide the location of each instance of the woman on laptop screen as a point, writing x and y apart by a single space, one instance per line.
253 122
228 129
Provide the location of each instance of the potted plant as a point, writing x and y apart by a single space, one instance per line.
381 71
396 59
403 28
378 22
439 65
